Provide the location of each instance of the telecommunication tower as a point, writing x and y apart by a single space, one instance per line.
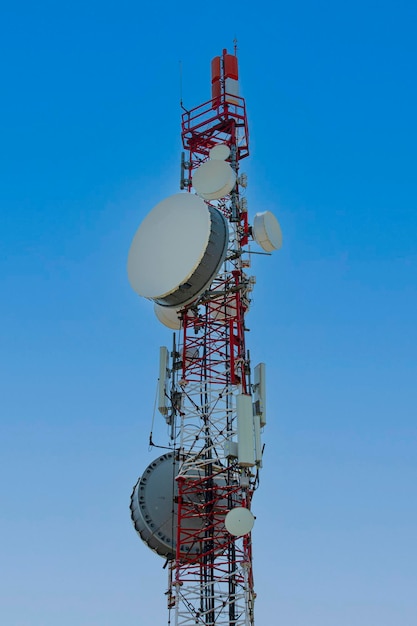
191 257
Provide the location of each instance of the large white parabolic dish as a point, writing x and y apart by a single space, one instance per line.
267 231
214 179
177 250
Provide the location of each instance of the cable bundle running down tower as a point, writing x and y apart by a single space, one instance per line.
190 257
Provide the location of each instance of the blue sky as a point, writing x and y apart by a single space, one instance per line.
90 142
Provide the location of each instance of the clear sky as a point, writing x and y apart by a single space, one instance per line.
90 142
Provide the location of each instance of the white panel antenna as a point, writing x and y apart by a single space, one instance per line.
230 449
243 205
245 440
243 180
164 374
260 393
231 87
258 444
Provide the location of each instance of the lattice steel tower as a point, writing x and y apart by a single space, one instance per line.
191 257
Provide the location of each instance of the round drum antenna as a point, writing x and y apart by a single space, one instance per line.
267 231
214 179
221 152
177 250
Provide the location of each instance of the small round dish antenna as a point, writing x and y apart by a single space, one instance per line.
177 250
239 521
267 231
171 318
221 152
168 317
222 311
214 179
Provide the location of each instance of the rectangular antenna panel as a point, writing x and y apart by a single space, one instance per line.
260 393
231 87
163 381
230 449
245 440
258 444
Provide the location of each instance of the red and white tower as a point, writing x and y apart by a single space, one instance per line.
191 257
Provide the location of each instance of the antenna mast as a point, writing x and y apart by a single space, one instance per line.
208 394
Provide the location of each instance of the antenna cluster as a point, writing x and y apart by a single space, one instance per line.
190 257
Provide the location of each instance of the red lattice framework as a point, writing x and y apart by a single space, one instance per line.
223 355
212 123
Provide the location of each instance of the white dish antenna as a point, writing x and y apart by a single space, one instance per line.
171 318
214 179
168 317
239 521
177 250
221 152
222 311
267 231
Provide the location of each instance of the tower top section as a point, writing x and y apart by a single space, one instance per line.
222 119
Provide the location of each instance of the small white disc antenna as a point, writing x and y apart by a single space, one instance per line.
221 152
267 231
168 317
214 179
221 312
239 521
